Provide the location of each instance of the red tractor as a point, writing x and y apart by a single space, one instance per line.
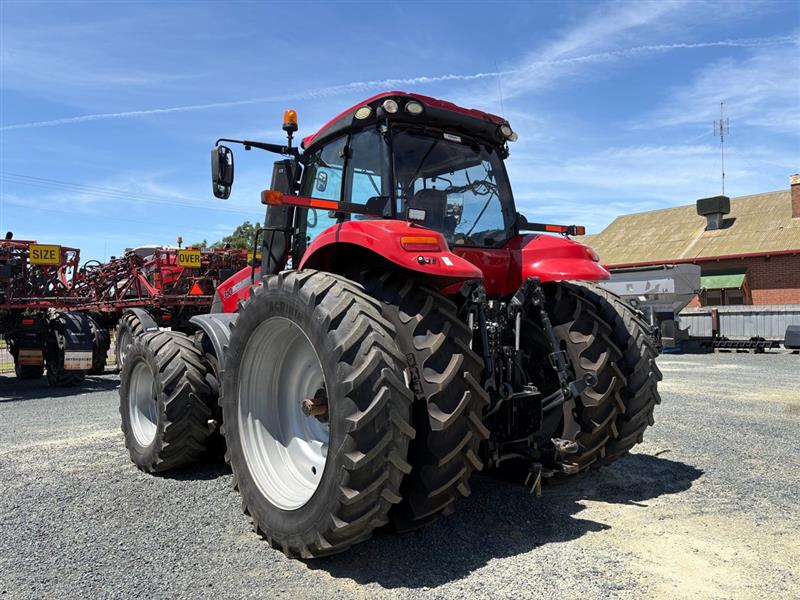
424 331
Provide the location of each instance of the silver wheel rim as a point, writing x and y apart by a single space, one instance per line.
123 342
284 449
142 404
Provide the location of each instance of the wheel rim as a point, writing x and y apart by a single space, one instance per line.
285 450
142 404
123 342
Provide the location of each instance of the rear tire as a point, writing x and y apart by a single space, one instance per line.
165 402
303 509
445 375
57 375
603 337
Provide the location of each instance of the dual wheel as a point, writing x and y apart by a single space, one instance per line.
345 407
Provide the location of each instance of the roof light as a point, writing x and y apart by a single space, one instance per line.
414 108
508 133
290 120
390 106
363 113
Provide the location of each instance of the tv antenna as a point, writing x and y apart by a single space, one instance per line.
721 129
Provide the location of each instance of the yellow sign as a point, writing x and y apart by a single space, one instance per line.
250 256
43 254
189 258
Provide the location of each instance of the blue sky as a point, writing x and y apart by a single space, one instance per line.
109 110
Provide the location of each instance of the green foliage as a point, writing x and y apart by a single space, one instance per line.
242 236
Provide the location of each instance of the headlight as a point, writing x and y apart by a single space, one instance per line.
390 106
414 108
364 112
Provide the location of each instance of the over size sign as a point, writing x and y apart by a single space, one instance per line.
188 258
44 254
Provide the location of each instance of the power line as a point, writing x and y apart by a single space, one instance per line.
106 193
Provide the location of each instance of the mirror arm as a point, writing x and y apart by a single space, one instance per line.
276 148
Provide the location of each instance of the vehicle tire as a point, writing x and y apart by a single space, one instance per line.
165 401
128 329
28 371
100 347
603 337
449 398
304 335
631 334
57 375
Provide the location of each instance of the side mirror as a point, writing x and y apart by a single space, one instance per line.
221 171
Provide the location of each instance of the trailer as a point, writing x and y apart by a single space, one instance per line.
57 315
37 295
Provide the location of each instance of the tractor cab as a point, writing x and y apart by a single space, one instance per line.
427 163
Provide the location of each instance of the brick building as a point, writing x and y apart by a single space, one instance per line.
748 248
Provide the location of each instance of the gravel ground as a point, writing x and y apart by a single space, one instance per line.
706 507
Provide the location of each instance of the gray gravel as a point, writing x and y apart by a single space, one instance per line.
706 507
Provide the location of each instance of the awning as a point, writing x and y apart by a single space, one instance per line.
722 282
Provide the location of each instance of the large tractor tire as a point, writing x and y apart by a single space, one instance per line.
128 329
449 398
316 412
605 338
100 347
165 401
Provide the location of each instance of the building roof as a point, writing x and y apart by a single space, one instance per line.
758 224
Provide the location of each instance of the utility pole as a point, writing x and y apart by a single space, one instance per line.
721 129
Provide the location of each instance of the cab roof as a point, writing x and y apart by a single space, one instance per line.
441 107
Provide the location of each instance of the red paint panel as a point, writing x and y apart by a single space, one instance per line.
547 257
235 288
384 238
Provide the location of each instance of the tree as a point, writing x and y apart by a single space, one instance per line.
242 237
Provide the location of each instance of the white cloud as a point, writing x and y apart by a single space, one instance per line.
760 91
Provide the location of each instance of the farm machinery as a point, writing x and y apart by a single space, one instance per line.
56 314
405 327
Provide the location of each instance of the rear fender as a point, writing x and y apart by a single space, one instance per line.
552 258
361 245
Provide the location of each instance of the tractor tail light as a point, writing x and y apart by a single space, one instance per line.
420 243
591 254
27 322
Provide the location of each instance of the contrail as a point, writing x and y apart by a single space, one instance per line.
388 83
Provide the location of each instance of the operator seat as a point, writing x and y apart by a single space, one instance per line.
434 203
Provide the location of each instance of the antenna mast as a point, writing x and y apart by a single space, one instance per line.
721 129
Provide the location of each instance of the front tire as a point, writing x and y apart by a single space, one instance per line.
165 402
128 329
315 486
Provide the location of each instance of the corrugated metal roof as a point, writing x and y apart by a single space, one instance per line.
760 223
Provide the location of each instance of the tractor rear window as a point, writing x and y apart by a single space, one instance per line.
462 187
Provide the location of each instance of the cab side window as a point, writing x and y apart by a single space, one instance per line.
369 158
323 175
323 178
